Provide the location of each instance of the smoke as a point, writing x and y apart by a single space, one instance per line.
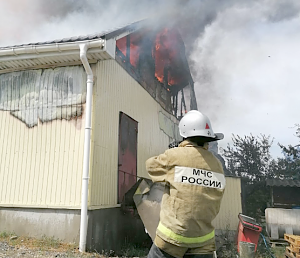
244 55
245 67
41 20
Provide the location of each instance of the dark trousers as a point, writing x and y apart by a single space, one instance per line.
155 252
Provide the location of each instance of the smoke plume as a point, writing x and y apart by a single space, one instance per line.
244 55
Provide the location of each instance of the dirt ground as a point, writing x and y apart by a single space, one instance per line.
7 250
25 247
13 246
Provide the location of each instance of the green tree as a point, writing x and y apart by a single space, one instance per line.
288 166
249 158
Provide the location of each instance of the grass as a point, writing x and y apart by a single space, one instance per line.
4 234
279 251
229 248
134 251
43 244
130 250
71 249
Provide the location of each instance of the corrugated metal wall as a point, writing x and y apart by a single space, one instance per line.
40 163
40 166
116 91
231 205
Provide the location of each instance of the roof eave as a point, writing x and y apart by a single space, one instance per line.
56 54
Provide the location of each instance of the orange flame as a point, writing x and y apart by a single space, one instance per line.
167 47
166 53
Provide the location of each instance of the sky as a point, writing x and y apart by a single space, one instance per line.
244 55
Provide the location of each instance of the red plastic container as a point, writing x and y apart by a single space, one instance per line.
248 231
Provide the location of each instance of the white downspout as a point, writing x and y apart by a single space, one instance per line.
86 154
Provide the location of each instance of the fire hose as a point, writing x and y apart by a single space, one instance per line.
267 246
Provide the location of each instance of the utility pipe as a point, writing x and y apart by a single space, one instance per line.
86 154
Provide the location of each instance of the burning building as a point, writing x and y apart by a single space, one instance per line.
140 84
79 117
156 59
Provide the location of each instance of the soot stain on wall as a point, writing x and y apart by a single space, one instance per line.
45 94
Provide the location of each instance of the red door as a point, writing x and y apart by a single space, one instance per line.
128 129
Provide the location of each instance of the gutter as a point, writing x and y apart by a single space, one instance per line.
42 49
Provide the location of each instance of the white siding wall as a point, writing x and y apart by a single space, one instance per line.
116 91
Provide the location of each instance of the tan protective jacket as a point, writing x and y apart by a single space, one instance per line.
195 185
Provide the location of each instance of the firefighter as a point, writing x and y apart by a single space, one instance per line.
194 187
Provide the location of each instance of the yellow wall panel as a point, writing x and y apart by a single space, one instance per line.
231 205
41 166
116 91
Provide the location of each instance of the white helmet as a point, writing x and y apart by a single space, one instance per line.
195 123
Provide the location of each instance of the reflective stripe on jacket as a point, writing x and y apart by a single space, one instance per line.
195 185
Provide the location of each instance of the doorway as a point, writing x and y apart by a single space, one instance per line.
127 161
